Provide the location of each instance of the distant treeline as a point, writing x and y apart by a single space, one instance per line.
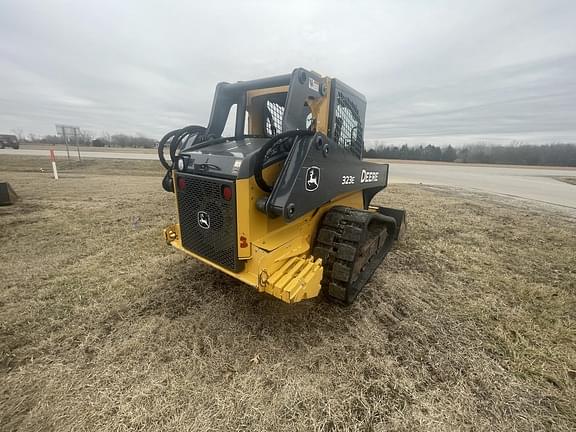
118 140
514 154
124 141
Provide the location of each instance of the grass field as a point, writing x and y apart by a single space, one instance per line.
470 324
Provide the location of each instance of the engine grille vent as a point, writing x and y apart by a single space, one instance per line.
207 221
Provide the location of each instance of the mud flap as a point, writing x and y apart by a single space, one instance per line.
400 218
7 194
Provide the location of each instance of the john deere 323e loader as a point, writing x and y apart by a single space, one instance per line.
283 205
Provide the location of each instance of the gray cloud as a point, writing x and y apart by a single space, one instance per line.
532 101
442 71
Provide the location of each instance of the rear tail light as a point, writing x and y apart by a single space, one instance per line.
227 192
181 183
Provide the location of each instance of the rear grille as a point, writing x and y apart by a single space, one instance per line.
207 220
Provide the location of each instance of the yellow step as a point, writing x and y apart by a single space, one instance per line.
298 279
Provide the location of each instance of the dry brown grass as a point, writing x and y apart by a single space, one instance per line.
469 325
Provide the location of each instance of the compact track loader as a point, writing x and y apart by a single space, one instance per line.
284 204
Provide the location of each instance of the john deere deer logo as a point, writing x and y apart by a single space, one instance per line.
312 178
203 220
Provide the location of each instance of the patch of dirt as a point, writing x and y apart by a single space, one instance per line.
469 324
569 180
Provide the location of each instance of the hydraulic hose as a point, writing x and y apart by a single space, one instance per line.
261 155
175 139
169 136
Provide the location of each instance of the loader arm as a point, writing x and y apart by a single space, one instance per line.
315 172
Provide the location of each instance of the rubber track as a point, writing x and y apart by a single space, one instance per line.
352 243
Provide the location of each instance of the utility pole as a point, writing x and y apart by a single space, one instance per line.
77 133
66 143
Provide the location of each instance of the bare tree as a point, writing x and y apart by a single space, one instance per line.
85 137
19 133
107 137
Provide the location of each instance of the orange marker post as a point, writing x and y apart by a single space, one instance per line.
53 160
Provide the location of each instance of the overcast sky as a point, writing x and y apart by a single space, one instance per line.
432 71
